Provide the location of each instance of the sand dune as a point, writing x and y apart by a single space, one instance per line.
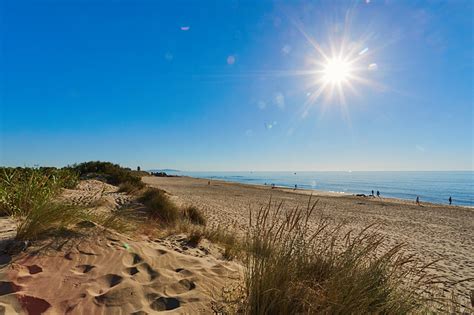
97 272
109 274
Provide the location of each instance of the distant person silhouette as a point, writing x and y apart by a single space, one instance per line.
417 200
372 193
450 200
378 193
296 186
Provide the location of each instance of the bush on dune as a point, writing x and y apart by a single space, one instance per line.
112 173
292 268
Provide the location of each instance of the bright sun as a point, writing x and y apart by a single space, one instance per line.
336 71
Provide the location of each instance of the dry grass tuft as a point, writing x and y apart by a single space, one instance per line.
292 268
26 194
159 206
194 215
21 189
46 216
195 236
129 188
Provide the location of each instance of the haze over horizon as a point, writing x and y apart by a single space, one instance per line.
238 86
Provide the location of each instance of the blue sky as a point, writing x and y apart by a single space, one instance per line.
225 85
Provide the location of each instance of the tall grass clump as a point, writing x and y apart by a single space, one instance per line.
23 188
159 206
45 217
194 215
28 195
293 267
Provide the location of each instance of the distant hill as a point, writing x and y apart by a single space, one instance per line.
164 170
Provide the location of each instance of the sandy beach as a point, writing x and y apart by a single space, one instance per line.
432 232
96 271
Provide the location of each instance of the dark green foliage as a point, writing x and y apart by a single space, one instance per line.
111 173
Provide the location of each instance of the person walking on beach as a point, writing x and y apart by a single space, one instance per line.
417 200
296 186
378 193
373 193
450 200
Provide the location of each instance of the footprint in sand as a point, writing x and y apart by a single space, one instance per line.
83 269
7 287
147 273
33 305
184 272
132 260
109 280
180 287
34 269
131 271
118 296
187 284
161 252
165 304
137 259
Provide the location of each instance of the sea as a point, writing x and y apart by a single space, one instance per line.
429 186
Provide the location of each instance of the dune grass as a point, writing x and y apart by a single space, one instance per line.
194 215
46 217
21 189
159 207
27 195
292 268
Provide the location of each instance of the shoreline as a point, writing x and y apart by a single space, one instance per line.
317 192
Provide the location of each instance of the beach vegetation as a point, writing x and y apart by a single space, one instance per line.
28 195
292 267
194 237
21 189
194 215
47 216
108 172
159 206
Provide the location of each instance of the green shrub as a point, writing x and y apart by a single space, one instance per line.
111 173
294 269
194 215
159 206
